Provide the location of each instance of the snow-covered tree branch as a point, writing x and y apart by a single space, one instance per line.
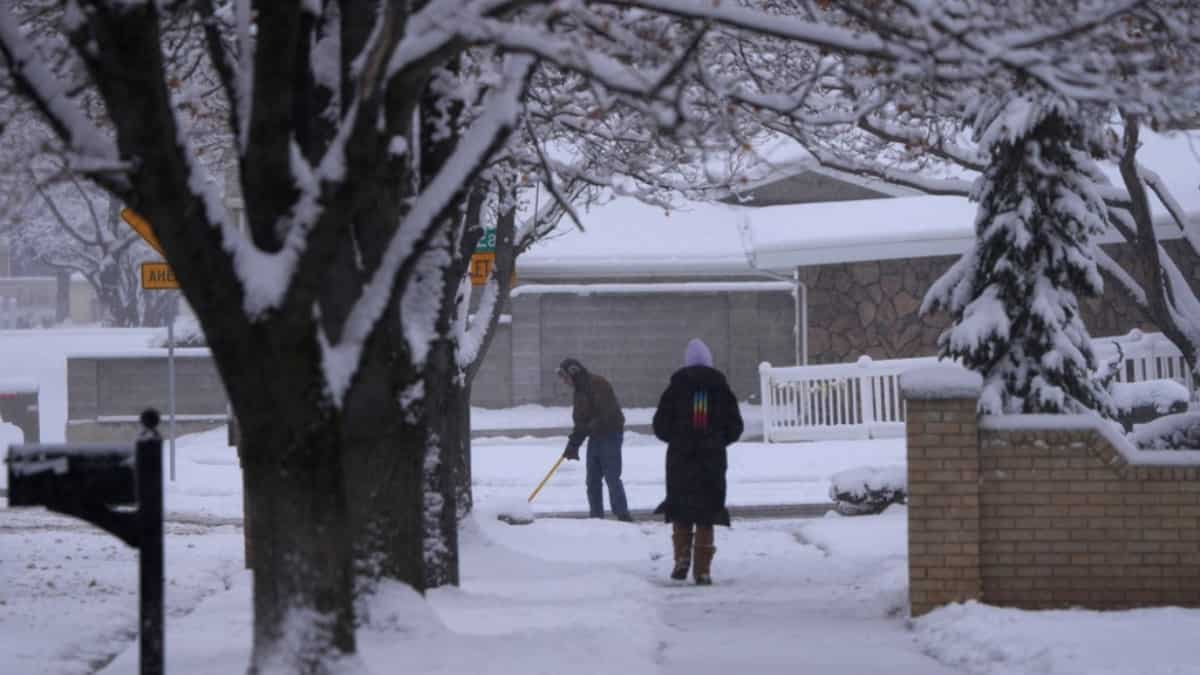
361 131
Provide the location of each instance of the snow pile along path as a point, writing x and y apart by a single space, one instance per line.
985 640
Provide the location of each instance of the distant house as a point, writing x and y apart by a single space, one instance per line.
31 296
624 295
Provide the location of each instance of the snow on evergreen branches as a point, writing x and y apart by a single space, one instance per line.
1014 295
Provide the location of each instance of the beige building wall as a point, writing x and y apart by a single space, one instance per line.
84 305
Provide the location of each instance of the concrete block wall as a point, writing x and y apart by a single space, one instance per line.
636 340
1045 517
493 384
106 394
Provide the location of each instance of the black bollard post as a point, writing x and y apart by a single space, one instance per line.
150 531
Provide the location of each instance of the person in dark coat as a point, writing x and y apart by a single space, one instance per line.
598 418
697 417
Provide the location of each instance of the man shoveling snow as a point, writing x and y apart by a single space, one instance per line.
598 418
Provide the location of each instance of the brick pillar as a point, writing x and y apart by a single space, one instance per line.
943 502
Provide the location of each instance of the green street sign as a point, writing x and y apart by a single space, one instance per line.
487 243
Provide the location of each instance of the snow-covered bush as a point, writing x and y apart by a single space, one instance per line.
1163 396
1170 432
1141 402
868 489
187 333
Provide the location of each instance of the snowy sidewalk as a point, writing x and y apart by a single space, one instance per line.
208 489
582 597
592 597
781 607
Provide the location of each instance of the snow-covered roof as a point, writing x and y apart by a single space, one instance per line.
626 238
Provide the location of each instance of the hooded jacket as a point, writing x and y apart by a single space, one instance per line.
596 410
697 417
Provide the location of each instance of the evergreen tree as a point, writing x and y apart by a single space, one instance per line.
1013 295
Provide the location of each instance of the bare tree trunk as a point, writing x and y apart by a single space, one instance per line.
291 457
459 411
442 391
303 609
459 415
1147 248
383 458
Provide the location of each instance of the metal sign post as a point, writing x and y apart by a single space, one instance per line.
158 276
171 314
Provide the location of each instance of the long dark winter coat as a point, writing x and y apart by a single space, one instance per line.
697 418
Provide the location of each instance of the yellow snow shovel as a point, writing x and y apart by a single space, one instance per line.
548 474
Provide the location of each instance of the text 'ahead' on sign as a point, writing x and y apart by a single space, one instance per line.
157 276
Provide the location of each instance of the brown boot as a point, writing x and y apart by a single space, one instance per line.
681 536
704 555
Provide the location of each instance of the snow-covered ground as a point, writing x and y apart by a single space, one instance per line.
560 595
208 484
578 596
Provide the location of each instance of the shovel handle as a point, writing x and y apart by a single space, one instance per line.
548 474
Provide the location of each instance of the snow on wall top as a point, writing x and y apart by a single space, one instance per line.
18 385
633 289
940 381
147 353
1109 430
627 238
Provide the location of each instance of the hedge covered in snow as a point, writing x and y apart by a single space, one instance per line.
1161 395
1170 432
868 489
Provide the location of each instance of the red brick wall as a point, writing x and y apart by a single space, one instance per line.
1043 518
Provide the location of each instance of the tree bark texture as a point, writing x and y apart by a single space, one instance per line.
338 481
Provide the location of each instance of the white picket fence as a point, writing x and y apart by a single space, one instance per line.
863 399
1147 356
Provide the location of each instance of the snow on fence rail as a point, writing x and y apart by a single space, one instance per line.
1147 356
843 400
863 400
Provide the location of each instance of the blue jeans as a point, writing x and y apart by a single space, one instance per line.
604 462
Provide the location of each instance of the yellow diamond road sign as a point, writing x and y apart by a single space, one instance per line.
157 276
143 228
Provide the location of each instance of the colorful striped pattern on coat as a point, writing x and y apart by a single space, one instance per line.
700 410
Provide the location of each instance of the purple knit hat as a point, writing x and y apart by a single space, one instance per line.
697 354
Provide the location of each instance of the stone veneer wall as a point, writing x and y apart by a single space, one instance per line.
872 307
1044 518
